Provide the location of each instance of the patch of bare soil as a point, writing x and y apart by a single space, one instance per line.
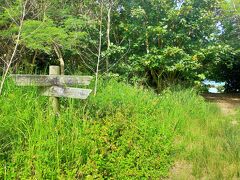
226 102
181 170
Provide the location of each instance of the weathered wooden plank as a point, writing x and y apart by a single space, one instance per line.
57 91
54 70
50 80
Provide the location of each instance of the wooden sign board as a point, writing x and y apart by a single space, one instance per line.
57 91
50 80
55 85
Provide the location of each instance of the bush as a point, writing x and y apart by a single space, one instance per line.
122 136
122 133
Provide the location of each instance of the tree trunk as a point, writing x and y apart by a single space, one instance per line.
34 60
157 80
60 58
108 32
99 49
147 43
9 62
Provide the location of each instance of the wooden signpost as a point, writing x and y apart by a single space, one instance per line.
55 85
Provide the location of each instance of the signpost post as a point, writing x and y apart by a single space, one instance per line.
54 70
55 85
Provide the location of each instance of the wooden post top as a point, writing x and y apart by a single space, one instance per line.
54 70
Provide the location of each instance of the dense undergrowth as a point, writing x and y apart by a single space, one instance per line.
122 133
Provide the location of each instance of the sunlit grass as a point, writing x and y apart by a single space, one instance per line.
122 133
211 146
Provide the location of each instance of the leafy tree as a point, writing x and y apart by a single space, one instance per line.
230 22
165 38
157 42
46 36
21 10
223 57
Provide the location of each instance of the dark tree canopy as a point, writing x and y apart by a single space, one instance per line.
152 42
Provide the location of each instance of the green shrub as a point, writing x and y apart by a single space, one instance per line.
122 136
122 133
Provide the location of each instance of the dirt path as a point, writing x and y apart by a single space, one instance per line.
227 102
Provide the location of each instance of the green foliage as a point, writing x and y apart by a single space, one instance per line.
156 42
7 13
231 7
166 39
113 51
224 58
41 35
122 133
169 60
210 145
230 23
128 141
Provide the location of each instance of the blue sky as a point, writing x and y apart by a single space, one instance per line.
213 83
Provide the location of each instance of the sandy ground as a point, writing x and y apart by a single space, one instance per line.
226 102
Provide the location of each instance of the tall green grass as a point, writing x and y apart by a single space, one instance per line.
122 133
208 146
114 135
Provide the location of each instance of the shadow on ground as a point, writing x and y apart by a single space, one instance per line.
226 102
